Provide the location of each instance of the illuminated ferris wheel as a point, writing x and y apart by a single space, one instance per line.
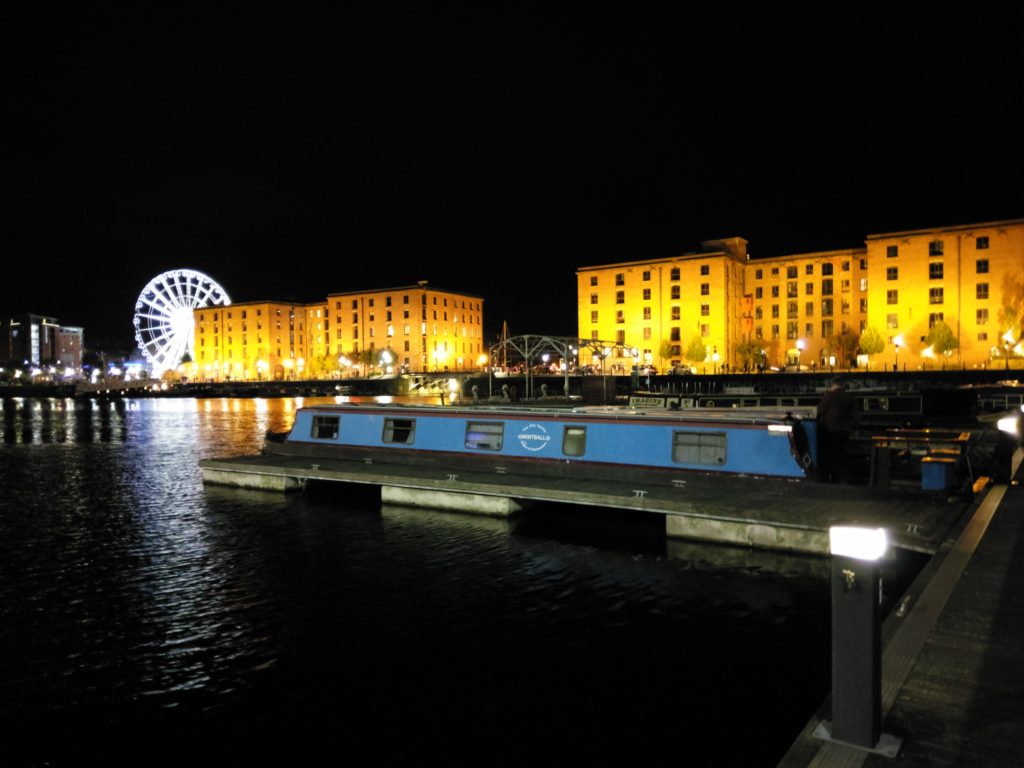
163 314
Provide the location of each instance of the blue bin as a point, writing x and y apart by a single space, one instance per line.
937 473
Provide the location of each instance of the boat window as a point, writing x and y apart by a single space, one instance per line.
484 435
400 431
574 441
325 427
699 447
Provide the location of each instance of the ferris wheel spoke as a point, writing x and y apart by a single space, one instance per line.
159 301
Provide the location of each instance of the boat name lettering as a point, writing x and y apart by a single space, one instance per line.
534 437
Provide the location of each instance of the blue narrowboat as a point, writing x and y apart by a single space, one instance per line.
579 442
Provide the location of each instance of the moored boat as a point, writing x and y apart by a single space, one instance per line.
576 442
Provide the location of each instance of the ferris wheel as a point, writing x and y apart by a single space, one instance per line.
163 314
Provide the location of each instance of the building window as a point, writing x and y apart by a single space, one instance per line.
934 295
775 291
705 289
982 266
844 286
647 313
705 270
775 310
935 248
705 310
674 274
863 283
826 328
844 307
647 333
620 339
792 329
675 313
826 287
758 313
892 251
705 331
981 243
620 278
935 271
620 316
808 329
808 289
758 274
863 306
983 336
775 271
675 293
646 275
891 321
792 289
826 307
620 297
758 332
790 272
593 316
809 309
791 309
593 298
981 317
826 269
892 273
775 331
844 266
673 334
593 280
933 318
809 269
892 297
759 292
981 291
647 294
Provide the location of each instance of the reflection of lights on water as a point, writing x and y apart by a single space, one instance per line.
261 404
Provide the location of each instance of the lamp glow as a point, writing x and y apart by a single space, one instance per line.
1009 424
858 543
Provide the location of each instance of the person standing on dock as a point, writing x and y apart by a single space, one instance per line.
835 416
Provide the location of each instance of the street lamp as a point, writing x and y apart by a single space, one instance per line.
1008 342
896 343
799 350
714 361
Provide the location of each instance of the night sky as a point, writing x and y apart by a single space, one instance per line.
491 150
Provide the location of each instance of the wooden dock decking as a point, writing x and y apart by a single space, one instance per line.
953 658
763 513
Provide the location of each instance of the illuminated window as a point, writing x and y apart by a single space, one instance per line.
981 317
981 243
863 283
574 441
707 448
484 435
982 266
935 271
792 289
863 306
934 295
891 321
647 333
844 286
981 291
935 248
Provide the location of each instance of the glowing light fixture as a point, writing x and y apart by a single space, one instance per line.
859 543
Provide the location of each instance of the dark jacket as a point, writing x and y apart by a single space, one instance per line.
835 411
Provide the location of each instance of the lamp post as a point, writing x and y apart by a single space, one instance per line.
1008 341
896 343
799 350
857 640
714 361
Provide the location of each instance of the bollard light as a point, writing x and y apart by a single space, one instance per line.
857 640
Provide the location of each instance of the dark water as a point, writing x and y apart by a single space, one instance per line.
146 619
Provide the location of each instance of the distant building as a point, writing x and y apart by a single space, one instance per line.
419 327
737 311
31 340
70 344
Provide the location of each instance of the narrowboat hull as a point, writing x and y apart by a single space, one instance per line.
578 443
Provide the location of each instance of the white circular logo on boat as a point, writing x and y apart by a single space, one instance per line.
534 437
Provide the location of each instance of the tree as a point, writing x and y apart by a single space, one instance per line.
749 354
696 350
844 345
942 340
665 353
871 343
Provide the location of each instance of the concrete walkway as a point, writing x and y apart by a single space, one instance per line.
953 658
